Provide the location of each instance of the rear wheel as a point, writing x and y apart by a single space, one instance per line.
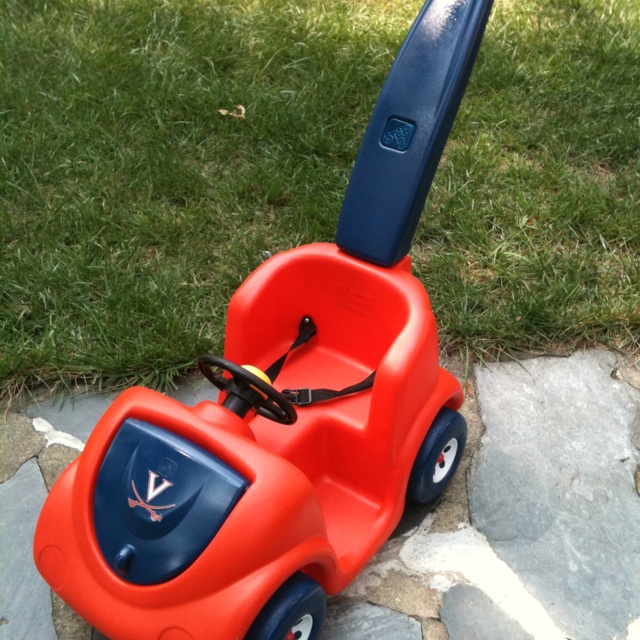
295 612
438 457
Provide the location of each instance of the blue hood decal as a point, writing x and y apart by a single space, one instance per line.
159 501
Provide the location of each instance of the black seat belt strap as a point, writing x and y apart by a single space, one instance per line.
306 331
302 397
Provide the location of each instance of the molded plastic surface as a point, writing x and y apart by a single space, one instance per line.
325 493
275 529
408 130
357 451
159 502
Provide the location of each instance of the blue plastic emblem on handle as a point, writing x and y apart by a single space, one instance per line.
398 134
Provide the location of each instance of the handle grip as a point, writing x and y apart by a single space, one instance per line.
408 130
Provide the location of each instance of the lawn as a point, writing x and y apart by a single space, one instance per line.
134 199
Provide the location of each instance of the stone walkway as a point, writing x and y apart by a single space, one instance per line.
538 535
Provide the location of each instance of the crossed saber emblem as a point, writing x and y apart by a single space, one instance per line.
152 492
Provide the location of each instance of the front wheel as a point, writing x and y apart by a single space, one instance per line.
295 612
438 457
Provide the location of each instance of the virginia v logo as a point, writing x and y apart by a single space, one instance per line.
153 491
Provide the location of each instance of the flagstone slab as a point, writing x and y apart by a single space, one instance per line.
469 614
78 413
25 599
364 621
552 487
191 392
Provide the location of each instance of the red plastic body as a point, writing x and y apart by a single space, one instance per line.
325 492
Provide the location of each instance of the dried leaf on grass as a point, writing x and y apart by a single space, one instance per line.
238 112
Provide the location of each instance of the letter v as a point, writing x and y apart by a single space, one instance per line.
152 490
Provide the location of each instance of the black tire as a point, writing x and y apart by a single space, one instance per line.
438 457
295 611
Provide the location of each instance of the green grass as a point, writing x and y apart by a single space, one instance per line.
131 209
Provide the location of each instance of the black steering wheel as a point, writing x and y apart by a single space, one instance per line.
247 389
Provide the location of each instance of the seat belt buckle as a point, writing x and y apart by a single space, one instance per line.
299 397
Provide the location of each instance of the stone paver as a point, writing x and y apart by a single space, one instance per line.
552 487
78 413
538 535
191 392
25 600
364 621
465 556
75 415
470 614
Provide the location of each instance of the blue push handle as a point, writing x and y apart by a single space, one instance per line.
408 130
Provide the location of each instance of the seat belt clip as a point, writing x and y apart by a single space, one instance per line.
299 397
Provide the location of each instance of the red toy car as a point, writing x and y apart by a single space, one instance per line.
234 519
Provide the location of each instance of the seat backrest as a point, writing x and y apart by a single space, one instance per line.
359 309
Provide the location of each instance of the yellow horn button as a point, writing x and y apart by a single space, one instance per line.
259 374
